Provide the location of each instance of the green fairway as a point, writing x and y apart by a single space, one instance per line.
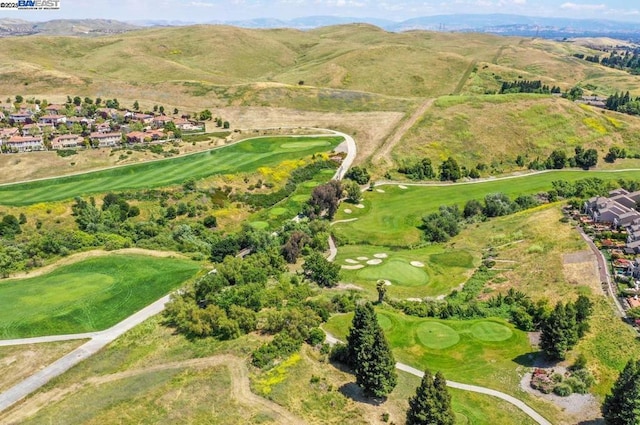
442 269
484 352
90 295
392 218
245 156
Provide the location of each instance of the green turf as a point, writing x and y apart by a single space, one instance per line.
90 295
431 343
436 335
310 184
490 331
396 270
392 218
304 145
444 269
260 225
275 212
245 156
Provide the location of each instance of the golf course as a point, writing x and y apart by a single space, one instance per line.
392 213
245 156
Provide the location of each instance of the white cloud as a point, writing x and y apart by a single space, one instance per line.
582 7
519 1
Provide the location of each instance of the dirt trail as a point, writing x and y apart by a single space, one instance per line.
384 151
80 256
240 389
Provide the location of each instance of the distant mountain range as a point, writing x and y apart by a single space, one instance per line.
494 23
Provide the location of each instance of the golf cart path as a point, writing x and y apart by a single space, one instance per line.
495 179
465 387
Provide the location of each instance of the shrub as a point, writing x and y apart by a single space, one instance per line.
577 386
340 353
316 336
563 390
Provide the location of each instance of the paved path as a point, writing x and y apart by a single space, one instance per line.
495 179
333 250
465 387
603 269
98 341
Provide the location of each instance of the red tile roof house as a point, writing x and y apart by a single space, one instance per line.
5 133
161 120
186 125
25 143
103 128
52 119
104 140
67 141
147 136
139 117
54 109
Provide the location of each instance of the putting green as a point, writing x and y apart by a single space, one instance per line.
300 198
275 212
260 225
311 184
436 335
490 331
396 270
308 144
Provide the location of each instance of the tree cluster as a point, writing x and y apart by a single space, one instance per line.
622 405
564 327
324 200
432 403
358 174
526 86
369 354
558 159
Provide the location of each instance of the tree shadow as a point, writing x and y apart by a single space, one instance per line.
535 359
354 392
599 421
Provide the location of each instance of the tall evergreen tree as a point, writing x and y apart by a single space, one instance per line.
369 354
622 406
559 331
432 403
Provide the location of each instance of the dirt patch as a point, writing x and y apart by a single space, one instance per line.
347 287
581 268
578 257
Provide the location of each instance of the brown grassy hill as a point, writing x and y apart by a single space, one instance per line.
495 129
349 57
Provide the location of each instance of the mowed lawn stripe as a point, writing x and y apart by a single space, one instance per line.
90 295
392 218
245 156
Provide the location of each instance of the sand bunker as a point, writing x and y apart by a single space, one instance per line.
362 258
417 264
401 186
347 211
380 255
354 267
351 261
379 190
374 261
360 206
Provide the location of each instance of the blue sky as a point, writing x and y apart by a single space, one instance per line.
225 10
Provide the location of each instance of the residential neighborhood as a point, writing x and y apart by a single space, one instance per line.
36 126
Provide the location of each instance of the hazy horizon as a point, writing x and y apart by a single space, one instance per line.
200 11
